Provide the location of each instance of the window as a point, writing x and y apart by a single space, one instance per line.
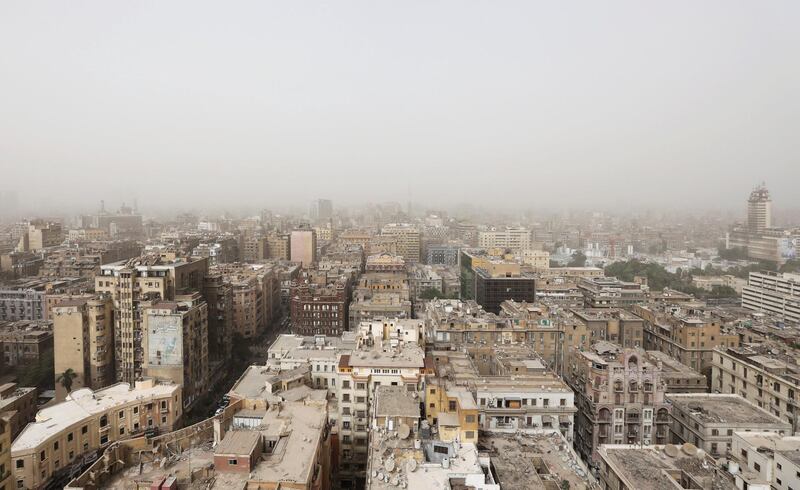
104 439
42 456
20 463
69 437
233 462
122 431
55 446
757 466
451 405
470 419
122 414
84 429
469 434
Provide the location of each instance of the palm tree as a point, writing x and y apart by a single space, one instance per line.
66 379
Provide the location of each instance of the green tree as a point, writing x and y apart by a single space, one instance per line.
66 378
578 260
431 293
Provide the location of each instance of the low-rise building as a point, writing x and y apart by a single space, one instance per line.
678 377
613 325
319 309
660 467
765 460
18 406
87 421
25 342
709 420
610 292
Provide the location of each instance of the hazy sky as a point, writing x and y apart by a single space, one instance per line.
679 103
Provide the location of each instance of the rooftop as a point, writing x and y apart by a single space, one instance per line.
396 401
717 408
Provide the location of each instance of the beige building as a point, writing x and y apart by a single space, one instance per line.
678 377
256 296
538 259
88 420
40 235
128 283
278 246
5 452
709 420
176 344
766 374
408 240
513 238
18 406
303 247
686 334
83 336
613 325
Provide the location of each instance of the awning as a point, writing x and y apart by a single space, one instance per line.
563 419
546 419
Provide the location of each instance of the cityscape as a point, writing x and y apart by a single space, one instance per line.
446 246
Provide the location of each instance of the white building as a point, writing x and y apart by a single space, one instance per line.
773 292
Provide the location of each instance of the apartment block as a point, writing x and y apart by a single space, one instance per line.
765 460
613 325
86 421
279 246
442 254
83 335
17 407
219 297
407 237
387 353
633 466
512 238
303 246
25 342
765 374
175 343
687 334
18 304
135 280
679 377
5 452
255 296
620 399
610 292
319 353
385 262
774 293
709 420
40 235
319 309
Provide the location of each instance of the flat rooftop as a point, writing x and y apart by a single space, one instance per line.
713 408
531 460
80 405
396 401
651 466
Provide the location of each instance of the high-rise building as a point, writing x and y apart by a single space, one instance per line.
176 344
132 281
278 246
319 309
321 210
83 336
407 237
775 293
499 282
39 235
303 247
759 210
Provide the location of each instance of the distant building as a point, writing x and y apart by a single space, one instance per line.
775 293
304 247
41 235
610 292
494 285
278 246
319 309
442 254
761 240
25 342
516 239
408 240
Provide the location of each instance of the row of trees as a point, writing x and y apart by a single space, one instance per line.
659 278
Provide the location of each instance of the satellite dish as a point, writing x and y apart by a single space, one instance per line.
671 450
403 431
411 465
389 465
690 449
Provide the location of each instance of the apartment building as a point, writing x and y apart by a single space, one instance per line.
765 460
766 374
319 353
424 278
613 325
86 421
412 458
436 254
40 235
279 246
303 246
5 452
679 377
687 334
407 237
25 342
319 309
175 343
774 293
537 259
22 304
385 262
513 238
620 399
610 292
17 407
20 264
633 466
83 336
388 353
135 280
219 298
256 296
709 420
508 388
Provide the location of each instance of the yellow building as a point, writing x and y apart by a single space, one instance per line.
83 336
89 420
453 410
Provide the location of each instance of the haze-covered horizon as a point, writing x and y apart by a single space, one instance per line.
681 105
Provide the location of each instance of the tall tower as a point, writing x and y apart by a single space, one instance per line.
759 210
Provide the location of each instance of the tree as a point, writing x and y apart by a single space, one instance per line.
578 260
66 379
431 293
